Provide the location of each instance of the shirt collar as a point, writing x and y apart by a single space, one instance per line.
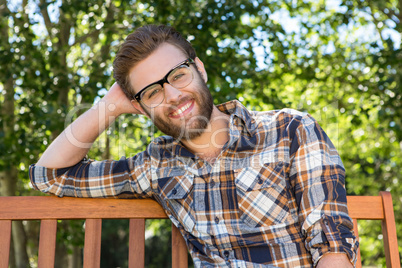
241 123
239 114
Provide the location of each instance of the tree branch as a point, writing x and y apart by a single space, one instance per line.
4 8
84 37
376 22
65 28
48 23
8 107
391 13
109 19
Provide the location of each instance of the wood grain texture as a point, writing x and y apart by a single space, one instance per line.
179 249
51 207
136 248
5 240
47 243
92 246
389 232
365 207
377 208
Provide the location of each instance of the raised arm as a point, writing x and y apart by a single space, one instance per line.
74 142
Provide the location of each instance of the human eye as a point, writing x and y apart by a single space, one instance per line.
178 74
151 92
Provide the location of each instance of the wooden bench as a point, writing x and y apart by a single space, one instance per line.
49 209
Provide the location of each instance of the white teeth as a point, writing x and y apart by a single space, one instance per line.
182 109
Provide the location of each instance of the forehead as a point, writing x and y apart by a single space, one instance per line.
155 66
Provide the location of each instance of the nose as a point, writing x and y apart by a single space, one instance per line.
172 94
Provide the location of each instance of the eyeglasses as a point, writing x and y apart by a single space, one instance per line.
180 76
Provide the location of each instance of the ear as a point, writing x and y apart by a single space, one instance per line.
138 107
201 69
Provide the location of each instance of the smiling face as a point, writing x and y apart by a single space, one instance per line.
184 113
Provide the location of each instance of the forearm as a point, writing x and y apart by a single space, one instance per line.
334 260
74 142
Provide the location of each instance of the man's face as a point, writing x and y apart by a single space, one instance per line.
185 112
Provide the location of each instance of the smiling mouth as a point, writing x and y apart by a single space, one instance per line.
182 110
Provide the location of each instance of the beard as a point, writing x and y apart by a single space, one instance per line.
196 125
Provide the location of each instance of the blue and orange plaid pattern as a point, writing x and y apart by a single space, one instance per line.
274 197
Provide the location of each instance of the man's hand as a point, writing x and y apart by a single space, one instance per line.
116 99
334 260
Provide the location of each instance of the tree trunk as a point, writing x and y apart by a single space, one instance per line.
106 152
8 179
75 259
8 176
61 260
7 188
20 243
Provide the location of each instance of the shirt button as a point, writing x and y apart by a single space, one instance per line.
174 191
326 222
212 183
260 181
226 254
216 220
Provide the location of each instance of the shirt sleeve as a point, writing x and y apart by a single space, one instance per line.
124 178
318 179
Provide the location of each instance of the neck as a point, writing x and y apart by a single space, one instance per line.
209 145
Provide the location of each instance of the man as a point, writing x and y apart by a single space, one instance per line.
246 189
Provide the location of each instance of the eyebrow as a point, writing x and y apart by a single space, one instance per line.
177 65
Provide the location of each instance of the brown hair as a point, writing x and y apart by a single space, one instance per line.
139 45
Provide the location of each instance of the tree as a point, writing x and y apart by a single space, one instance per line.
57 57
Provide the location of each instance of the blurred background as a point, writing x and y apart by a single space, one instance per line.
341 61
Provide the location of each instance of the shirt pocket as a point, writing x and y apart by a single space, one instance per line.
261 194
177 194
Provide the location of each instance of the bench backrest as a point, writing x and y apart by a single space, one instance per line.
49 209
377 208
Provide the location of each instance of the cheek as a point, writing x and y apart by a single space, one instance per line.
156 113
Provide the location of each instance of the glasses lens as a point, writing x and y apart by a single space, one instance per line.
180 77
152 96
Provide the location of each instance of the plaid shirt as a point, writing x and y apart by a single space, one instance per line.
275 196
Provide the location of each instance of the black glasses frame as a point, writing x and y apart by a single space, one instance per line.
164 79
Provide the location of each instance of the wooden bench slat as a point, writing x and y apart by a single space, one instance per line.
389 232
5 241
49 209
377 208
39 207
365 207
92 246
47 243
179 249
136 247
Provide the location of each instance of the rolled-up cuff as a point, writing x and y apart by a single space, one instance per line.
336 236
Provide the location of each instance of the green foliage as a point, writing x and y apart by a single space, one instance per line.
337 62
115 237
